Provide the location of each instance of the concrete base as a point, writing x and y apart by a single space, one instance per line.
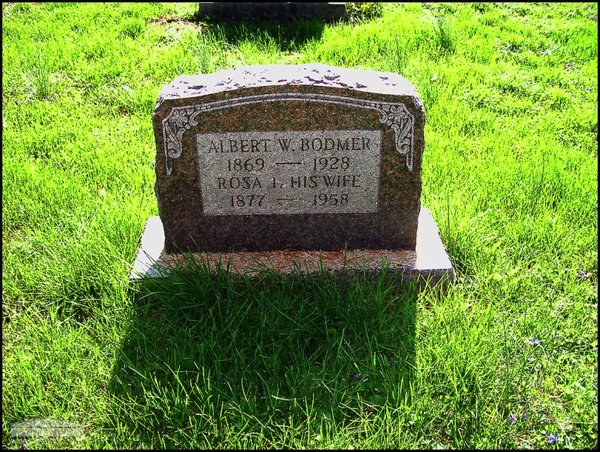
429 264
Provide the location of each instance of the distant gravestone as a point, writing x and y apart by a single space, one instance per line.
295 166
272 11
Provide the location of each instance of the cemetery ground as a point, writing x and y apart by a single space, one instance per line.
505 357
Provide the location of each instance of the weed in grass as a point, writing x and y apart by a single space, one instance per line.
203 49
132 28
42 86
444 35
362 11
400 55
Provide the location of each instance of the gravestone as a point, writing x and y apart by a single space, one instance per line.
272 11
293 166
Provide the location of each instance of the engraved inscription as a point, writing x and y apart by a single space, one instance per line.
182 119
261 173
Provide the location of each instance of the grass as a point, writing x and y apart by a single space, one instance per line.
503 359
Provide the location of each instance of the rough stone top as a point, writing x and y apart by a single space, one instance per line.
282 75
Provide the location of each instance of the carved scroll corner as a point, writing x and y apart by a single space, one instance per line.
399 119
177 122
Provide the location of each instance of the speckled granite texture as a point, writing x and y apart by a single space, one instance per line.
289 98
428 265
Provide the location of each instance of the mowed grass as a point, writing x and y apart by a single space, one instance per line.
506 357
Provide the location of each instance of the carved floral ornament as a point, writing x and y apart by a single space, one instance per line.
182 119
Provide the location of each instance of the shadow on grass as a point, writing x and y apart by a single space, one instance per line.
207 354
285 37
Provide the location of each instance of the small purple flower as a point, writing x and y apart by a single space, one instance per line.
512 419
534 341
552 439
583 275
356 376
523 416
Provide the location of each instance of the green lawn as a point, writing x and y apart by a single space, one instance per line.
506 357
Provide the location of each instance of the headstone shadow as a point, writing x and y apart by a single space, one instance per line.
287 38
220 344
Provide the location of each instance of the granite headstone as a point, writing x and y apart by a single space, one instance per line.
295 161
279 12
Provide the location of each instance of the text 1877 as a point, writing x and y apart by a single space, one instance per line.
247 200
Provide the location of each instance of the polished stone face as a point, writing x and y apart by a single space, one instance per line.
310 172
306 157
